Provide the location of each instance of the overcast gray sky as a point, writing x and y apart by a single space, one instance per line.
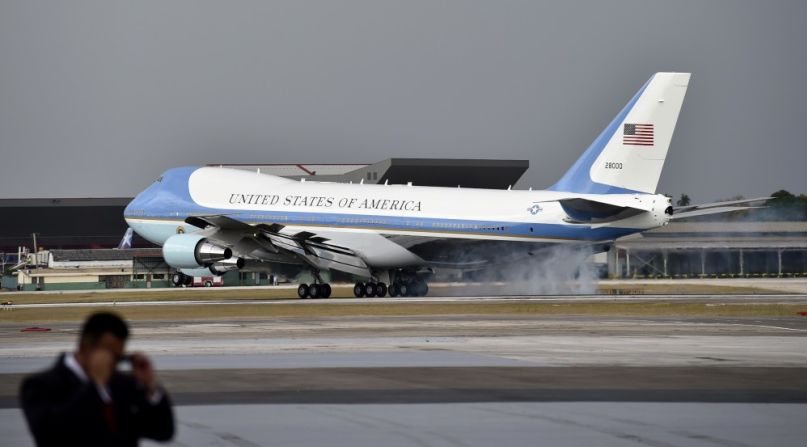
98 97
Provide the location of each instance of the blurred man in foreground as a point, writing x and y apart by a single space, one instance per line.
83 400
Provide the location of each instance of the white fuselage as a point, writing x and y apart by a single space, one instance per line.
365 216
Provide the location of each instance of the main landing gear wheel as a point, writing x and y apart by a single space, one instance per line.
421 288
179 279
414 288
369 289
314 291
302 291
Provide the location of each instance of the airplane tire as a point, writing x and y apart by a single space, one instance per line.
177 279
315 291
419 288
358 290
405 289
381 290
326 290
370 290
302 291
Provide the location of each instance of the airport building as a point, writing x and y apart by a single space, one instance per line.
713 249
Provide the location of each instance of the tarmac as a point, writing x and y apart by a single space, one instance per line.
462 380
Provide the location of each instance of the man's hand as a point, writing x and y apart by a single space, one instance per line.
143 372
100 366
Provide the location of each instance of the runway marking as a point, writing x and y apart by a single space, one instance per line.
766 326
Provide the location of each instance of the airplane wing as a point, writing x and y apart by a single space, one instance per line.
268 242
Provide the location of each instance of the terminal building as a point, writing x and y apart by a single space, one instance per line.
713 249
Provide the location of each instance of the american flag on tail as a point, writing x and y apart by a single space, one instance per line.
637 134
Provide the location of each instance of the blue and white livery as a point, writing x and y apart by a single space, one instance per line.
223 219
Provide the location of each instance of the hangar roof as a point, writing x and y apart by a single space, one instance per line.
469 173
298 170
107 254
717 235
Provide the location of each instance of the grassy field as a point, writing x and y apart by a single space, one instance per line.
341 291
313 309
168 311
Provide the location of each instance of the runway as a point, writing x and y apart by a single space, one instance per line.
470 380
732 298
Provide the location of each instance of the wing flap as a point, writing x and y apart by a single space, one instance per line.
309 248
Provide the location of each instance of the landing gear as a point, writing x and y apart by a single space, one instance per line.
314 291
410 288
319 289
409 281
369 289
179 279
302 291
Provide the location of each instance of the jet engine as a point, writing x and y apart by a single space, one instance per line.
227 265
189 251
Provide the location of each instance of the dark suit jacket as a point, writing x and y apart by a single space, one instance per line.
62 410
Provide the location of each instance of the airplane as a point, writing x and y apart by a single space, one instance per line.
392 237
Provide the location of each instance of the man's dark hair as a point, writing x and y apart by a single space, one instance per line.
101 323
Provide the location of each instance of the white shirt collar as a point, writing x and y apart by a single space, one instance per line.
72 364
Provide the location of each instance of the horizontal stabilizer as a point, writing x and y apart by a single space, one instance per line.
602 210
716 210
703 206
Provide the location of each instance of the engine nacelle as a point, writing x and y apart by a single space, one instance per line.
191 251
227 265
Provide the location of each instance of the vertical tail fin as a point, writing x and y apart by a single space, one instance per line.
126 242
627 157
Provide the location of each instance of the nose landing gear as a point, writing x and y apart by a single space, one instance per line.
179 279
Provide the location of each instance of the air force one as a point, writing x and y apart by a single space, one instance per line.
391 237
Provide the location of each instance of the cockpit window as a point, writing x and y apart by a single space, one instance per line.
160 179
